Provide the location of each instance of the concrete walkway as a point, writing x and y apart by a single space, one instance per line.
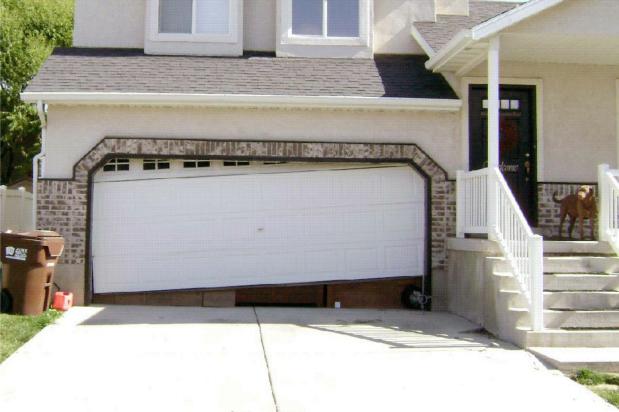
122 358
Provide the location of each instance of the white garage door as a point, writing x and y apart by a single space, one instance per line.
272 224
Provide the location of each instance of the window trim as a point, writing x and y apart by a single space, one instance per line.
231 37
287 37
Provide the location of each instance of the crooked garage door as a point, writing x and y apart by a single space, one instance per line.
163 225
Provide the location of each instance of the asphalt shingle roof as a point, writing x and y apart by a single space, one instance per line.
438 33
132 71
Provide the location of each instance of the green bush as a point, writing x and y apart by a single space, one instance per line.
29 30
588 377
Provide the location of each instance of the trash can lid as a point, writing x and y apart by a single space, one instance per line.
35 234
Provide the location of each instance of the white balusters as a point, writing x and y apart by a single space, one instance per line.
521 248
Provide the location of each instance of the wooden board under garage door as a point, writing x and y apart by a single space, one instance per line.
257 229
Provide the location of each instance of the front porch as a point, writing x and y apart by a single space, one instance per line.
515 281
580 298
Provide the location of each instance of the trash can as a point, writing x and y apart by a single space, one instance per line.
28 262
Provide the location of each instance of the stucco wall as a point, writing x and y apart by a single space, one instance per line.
109 23
585 17
259 22
73 131
579 116
120 23
393 21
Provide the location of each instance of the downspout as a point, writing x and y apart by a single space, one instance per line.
39 157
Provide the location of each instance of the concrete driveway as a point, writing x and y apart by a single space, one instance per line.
128 358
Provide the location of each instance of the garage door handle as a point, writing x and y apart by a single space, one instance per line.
260 229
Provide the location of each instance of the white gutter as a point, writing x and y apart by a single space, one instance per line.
461 41
227 100
35 160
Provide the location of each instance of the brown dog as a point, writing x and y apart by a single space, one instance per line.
581 206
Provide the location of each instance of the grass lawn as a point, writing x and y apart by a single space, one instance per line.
604 384
15 330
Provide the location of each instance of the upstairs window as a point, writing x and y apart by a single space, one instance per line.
343 25
194 17
325 18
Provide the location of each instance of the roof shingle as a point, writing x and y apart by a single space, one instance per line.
438 33
132 71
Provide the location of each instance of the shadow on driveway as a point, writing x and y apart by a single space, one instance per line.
399 329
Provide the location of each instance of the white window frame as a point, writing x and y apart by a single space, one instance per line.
230 37
287 37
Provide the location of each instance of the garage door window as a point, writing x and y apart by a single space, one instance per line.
233 163
156 164
116 165
192 164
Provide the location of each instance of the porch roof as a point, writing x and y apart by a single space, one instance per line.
544 31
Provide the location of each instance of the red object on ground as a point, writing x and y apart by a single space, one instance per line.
63 300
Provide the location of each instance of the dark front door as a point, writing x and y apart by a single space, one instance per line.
517 143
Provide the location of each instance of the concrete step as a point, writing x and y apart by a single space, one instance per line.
555 319
573 359
581 264
590 338
581 281
513 299
581 300
578 247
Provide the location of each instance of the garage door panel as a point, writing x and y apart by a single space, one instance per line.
361 223
362 261
221 231
322 262
362 188
403 258
397 187
408 219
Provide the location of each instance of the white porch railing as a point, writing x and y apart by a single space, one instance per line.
608 219
471 205
501 218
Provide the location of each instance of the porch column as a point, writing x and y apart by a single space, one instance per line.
493 132
493 102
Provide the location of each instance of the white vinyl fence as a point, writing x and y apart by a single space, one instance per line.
485 204
16 210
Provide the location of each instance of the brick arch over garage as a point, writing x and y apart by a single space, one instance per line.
64 203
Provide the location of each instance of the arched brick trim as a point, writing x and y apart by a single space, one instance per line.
63 204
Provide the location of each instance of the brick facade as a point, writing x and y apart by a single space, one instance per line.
63 204
548 210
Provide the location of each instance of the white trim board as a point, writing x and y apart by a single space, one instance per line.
539 117
227 100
